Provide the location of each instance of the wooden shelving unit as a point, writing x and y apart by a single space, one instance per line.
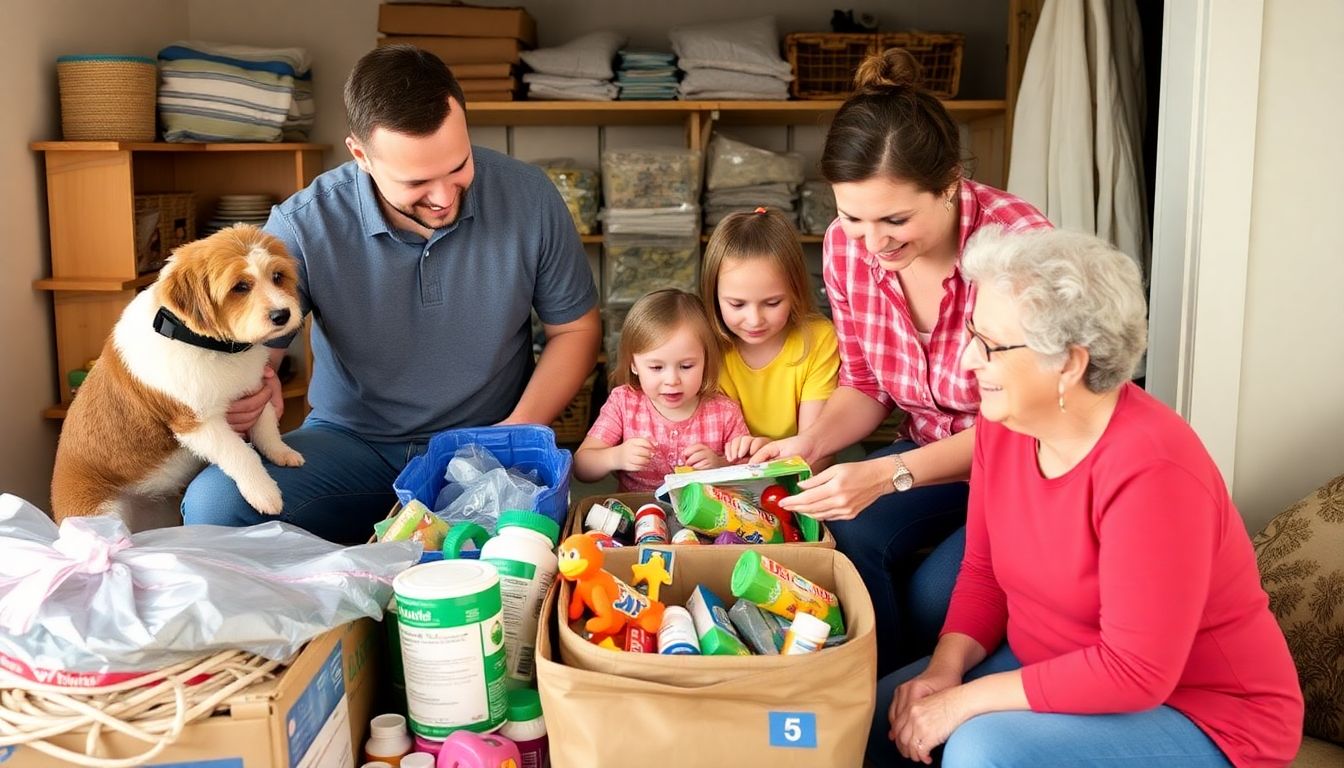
91 189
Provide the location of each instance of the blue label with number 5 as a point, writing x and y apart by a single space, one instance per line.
793 729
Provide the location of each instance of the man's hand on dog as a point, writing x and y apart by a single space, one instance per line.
245 411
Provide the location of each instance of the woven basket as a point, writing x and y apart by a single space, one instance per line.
938 54
107 98
177 225
572 424
824 63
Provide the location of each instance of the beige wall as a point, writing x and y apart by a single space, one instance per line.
1290 435
35 32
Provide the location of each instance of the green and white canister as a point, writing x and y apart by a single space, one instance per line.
452 647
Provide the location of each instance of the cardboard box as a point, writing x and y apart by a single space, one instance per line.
470 71
464 50
457 21
475 85
315 715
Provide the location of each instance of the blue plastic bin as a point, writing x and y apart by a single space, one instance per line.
525 447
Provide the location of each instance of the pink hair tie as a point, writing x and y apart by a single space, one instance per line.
759 209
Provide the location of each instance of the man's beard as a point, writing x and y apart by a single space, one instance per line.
411 214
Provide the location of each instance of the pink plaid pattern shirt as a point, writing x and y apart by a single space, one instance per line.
880 351
628 413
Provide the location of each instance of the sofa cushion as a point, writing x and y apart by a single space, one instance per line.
1300 554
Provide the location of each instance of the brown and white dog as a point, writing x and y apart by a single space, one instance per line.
184 349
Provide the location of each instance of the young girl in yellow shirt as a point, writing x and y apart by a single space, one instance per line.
781 359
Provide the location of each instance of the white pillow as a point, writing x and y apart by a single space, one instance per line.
751 45
587 56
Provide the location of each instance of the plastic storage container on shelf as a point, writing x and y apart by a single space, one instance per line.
525 447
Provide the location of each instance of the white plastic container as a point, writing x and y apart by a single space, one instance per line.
610 522
388 740
452 646
526 728
523 551
418 760
676 637
806 634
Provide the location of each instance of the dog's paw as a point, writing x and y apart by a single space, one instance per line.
263 496
287 457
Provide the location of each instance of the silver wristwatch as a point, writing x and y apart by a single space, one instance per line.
901 479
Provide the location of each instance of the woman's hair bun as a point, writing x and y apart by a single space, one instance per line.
893 68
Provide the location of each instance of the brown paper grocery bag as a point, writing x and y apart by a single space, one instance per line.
610 708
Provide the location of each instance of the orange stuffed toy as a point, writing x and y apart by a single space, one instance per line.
611 601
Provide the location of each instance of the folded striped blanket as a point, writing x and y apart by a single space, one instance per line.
216 92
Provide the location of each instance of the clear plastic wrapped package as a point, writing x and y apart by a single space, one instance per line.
738 164
818 207
579 187
638 264
656 177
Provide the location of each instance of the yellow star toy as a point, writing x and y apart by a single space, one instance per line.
652 573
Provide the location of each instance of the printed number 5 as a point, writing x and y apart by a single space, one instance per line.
796 730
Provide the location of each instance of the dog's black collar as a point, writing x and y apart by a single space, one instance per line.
170 325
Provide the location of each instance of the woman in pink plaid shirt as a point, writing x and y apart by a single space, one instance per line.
899 302
666 411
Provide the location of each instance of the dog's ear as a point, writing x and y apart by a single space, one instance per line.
184 288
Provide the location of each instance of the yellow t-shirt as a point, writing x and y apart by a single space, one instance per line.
770 395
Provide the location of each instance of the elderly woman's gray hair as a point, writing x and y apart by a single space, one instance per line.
1070 289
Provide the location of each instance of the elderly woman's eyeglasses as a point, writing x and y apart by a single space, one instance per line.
989 349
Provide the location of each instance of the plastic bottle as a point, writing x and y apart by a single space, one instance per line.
676 637
781 591
805 635
428 746
388 740
523 551
712 510
651 525
686 536
419 760
610 522
526 728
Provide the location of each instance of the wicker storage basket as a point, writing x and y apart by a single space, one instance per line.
107 98
824 63
938 54
572 424
177 225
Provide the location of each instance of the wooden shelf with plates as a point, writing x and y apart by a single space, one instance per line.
91 190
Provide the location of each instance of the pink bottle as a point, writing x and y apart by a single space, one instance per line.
464 749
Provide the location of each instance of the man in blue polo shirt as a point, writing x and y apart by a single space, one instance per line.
421 261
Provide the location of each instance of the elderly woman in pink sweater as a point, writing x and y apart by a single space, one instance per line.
1108 610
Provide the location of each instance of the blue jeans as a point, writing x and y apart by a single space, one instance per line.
882 542
342 489
1159 736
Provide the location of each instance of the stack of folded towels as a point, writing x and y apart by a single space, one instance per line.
647 75
733 60
579 70
216 92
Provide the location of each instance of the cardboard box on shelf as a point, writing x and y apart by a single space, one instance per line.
314 714
463 50
457 21
474 85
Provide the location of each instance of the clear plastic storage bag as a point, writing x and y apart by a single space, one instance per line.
657 177
638 264
90 598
